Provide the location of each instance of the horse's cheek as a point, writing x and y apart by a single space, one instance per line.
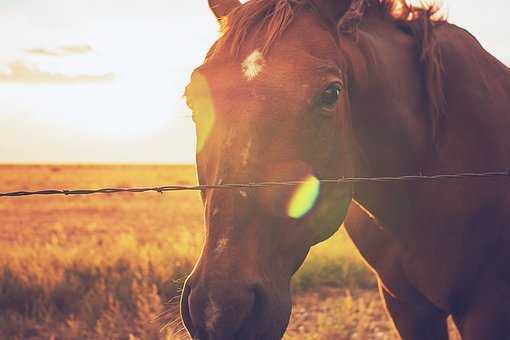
328 217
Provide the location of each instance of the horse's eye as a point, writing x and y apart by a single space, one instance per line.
330 96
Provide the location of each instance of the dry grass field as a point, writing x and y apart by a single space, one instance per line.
111 266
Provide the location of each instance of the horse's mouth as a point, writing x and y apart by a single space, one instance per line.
251 329
245 333
248 331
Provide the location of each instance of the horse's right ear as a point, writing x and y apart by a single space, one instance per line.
221 8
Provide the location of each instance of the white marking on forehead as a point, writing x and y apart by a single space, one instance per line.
212 314
243 193
222 244
253 65
245 154
216 211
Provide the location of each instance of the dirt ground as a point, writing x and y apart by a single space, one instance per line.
343 315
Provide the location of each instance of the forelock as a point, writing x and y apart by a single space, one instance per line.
269 18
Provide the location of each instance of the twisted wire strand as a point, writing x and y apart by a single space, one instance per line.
169 188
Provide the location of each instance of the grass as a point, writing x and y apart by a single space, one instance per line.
111 267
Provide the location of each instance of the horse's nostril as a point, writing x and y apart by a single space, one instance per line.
259 301
195 331
254 312
185 312
200 334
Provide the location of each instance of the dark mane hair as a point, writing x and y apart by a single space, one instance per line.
270 18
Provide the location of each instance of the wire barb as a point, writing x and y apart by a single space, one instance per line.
162 189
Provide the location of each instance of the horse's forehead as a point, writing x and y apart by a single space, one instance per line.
302 44
253 65
259 80
291 64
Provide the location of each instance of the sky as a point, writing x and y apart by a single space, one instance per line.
101 81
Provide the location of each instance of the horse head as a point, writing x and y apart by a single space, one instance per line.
271 103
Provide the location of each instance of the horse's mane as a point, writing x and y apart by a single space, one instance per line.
270 19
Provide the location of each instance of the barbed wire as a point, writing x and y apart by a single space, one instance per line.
168 188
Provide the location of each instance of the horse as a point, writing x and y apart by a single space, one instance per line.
301 91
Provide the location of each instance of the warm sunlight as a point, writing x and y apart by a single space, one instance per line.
199 98
102 81
150 193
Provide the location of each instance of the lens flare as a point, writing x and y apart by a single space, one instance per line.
304 197
203 107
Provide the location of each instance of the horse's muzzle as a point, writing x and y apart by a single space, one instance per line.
233 313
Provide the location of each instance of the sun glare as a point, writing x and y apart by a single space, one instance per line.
202 103
304 197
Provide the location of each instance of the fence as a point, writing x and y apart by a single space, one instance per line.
162 189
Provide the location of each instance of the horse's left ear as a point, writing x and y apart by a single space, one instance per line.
343 14
221 8
349 20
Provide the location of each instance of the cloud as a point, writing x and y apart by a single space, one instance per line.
77 49
19 72
60 51
42 52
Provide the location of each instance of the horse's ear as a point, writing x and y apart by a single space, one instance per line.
351 17
342 13
221 8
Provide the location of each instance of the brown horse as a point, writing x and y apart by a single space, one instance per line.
317 89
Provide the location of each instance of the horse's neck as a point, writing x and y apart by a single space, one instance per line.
477 92
475 137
